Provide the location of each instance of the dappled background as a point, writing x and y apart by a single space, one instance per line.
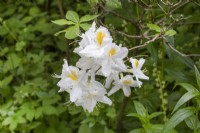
30 55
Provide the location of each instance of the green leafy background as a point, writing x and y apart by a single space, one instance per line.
35 37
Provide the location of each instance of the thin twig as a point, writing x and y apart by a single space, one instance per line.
127 35
182 54
161 7
146 43
175 5
179 6
198 4
60 8
178 52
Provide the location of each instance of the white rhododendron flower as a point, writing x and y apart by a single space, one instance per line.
72 80
93 93
95 43
113 59
136 69
124 83
99 55
87 39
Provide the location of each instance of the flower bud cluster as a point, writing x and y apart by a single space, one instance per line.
99 55
160 84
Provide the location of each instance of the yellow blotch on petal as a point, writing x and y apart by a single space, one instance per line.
127 82
112 52
136 63
73 76
100 36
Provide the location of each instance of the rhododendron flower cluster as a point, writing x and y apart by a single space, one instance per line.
99 56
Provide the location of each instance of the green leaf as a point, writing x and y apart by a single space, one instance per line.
197 76
73 16
92 2
154 27
7 121
72 32
157 128
177 118
51 130
85 26
33 125
34 11
7 80
147 127
84 128
30 115
62 22
87 18
49 110
140 130
155 114
186 97
20 120
140 108
97 128
20 45
170 32
38 112
108 130
13 126
13 61
111 112
113 4
192 122
187 86
142 118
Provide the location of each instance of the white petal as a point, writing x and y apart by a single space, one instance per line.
136 84
93 27
75 93
119 65
109 80
141 62
133 62
98 85
126 90
106 67
90 104
114 89
92 51
105 100
140 75
85 63
65 83
123 52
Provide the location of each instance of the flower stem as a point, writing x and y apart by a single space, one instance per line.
119 125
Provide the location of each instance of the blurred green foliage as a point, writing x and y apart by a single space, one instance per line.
30 54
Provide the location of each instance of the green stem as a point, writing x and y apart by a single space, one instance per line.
119 126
